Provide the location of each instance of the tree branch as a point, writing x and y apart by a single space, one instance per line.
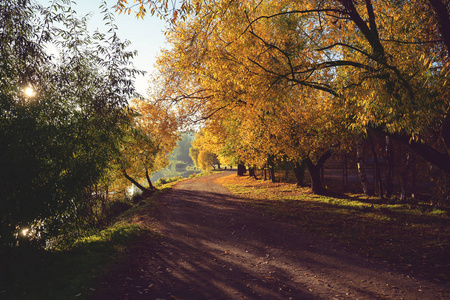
324 10
371 36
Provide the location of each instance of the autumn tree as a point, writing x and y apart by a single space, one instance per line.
151 137
379 88
384 64
202 152
207 160
248 108
193 154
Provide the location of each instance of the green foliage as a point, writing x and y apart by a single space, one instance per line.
57 143
70 270
115 208
181 163
163 180
67 273
137 197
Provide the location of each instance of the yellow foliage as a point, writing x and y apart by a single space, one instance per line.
293 78
151 138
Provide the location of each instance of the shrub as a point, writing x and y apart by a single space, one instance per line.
161 181
135 198
115 208
173 179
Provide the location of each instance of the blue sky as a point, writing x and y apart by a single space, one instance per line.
146 35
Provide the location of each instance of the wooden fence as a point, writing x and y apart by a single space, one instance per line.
341 174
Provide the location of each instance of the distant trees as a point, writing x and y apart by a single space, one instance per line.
193 154
203 157
181 153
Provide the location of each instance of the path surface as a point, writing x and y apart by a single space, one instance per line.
214 247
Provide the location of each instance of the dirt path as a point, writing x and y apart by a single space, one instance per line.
214 247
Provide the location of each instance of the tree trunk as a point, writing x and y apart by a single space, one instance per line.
345 172
241 169
430 154
404 177
316 182
414 175
443 20
314 172
251 172
361 167
299 171
286 170
442 17
376 167
150 185
389 167
145 192
271 165
103 197
446 131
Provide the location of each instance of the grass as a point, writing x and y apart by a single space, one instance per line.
66 274
164 180
413 238
71 272
167 183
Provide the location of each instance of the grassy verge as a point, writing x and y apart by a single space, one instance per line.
412 238
71 272
167 183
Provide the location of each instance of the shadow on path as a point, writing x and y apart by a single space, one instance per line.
214 247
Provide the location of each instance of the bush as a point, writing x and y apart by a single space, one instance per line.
190 173
136 198
173 179
56 147
161 181
115 208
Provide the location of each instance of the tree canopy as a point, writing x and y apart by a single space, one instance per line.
301 78
61 117
150 140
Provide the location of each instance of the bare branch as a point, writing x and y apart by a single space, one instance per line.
325 10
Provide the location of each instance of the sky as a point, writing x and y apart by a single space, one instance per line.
146 35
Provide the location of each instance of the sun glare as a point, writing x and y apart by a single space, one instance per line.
25 231
29 91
